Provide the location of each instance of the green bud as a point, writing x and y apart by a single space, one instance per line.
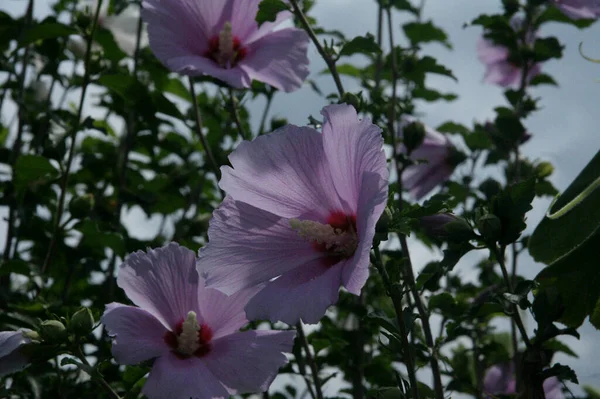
53 331
490 227
413 135
80 207
351 99
490 187
544 169
459 230
82 321
32 335
383 224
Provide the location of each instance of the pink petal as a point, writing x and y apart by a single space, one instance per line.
249 361
137 335
172 377
553 388
371 203
426 178
503 74
11 359
284 173
248 246
196 65
224 314
489 53
268 27
303 293
12 363
279 58
163 281
10 341
352 147
432 137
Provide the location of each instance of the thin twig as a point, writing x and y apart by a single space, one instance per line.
396 295
97 377
326 57
263 120
209 155
311 361
236 115
75 130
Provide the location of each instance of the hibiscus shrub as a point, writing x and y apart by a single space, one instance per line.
161 241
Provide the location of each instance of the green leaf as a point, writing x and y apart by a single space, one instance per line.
510 206
268 10
543 79
547 48
31 170
555 15
44 31
360 44
425 32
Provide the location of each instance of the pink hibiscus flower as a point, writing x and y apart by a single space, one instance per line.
11 358
500 70
500 380
221 38
579 9
438 151
301 206
190 331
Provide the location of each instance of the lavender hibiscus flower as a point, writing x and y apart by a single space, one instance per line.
190 331
579 9
439 154
301 206
500 69
221 38
11 358
500 380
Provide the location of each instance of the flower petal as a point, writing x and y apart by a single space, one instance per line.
489 53
163 281
224 314
553 388
172 377
249 361
371 203
248 246
11 340
12 363
279 58
303 293
351 147
137 335
284 172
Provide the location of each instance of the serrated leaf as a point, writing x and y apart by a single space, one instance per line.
360 44
268 10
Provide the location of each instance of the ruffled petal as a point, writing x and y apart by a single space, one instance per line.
352 147
11 340
303 293
172 377
248 246
249 361
371 203
163 281
279 58
137 335
11 359
224 314
284 172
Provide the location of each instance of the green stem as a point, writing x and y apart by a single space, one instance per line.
312 363
263 120
65 179
96 376
233 102
326 57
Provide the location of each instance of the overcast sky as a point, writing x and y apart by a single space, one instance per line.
565 131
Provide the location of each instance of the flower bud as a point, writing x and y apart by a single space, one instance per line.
544 169
351 99
80 207
446 226
413 135
490 227
82 321
53 331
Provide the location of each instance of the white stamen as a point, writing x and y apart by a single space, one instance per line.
337 241
226 45
187 341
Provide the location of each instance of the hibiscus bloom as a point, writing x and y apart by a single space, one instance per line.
500 69
221 38
190 331
11 358
301 206
500 380
579 9
441 158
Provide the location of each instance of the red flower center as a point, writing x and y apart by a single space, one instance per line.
225 49
346 224
200 348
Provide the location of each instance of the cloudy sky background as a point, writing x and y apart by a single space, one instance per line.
565 131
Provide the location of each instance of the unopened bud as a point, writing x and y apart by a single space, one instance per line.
544 169
80 207
490 227
82 321
53 331
446 226
413 135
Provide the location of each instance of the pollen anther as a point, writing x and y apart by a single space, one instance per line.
337 241
187 341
